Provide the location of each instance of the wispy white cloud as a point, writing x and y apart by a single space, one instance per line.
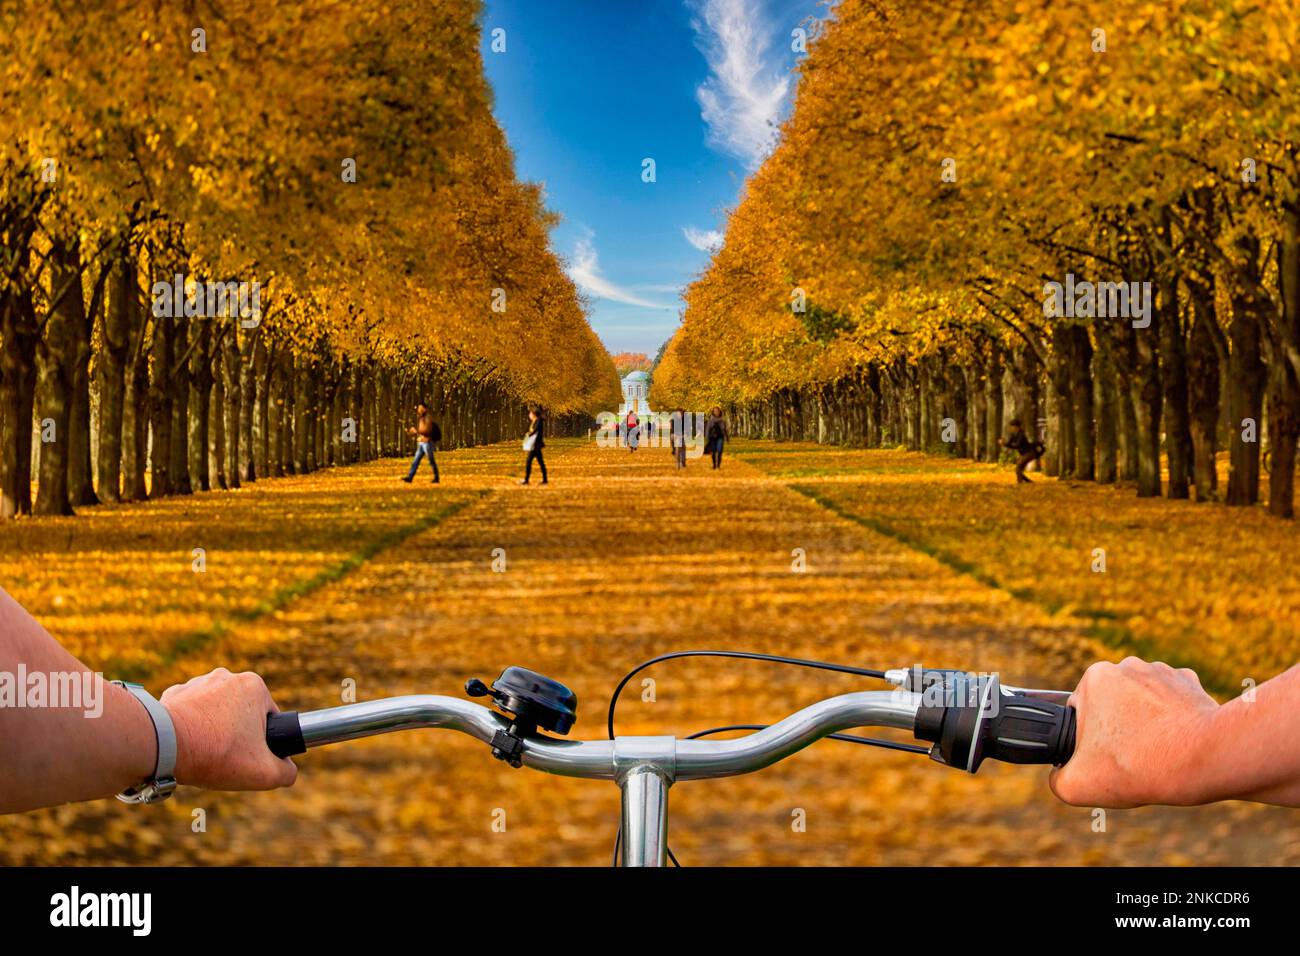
706 240
673 287
584 270
742 97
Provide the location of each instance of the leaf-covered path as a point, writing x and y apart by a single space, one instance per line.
622 558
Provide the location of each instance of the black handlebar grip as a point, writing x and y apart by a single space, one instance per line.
1030 730
284 734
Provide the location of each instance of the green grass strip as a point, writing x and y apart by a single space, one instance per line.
291 592
1104 626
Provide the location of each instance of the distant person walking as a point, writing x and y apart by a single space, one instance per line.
534 442
677 437
715 435
1028 450
633 431
427 434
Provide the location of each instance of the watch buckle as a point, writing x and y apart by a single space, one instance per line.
153 791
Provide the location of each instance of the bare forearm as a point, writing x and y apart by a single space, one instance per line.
59 754
1252 750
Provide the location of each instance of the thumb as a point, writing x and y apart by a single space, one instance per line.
1053 780
1061 782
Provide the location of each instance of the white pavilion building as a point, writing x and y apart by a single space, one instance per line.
635 387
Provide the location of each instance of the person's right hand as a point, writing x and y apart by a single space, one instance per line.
220 723
1140 737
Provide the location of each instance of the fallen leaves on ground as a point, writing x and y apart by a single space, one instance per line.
619 559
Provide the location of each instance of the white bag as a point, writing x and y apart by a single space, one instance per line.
529 441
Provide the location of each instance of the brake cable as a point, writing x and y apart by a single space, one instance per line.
770 658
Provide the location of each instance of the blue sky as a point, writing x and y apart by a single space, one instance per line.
588 89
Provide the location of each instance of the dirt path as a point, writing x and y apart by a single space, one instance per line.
620 559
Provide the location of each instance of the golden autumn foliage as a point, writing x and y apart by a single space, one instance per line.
625 362
943 164
344 159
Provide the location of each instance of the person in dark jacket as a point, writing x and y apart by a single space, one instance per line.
1020 443
534 441
715 435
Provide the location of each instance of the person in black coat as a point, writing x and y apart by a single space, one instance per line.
715 435
534 441
1023 446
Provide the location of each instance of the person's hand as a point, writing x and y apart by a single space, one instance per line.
1139 739
220 723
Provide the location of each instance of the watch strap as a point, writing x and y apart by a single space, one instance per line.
163 782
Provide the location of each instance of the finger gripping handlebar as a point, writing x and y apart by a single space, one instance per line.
284 734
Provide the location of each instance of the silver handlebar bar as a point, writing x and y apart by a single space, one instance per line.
997 722
643 767
674 759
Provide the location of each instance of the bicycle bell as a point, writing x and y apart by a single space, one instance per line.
531 700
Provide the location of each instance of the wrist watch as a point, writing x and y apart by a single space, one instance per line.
160 786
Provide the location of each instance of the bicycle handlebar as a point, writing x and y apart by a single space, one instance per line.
1017 729
967 718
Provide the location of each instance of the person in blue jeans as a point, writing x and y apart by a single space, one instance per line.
426 433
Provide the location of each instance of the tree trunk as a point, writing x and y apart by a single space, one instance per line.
178 462
1284 387
54 380
317 418
160 408
1026 393
1081 402
1283 430
1203 394
81 480
275 417
356 407
247 403
1106 411
957 410
230 362
18 342
1173 377
977 419
301 421
1245 399
1126 424
338 406
1148 402
1059 460
114 353
915 419
135 418
217 424
200 407
262 360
